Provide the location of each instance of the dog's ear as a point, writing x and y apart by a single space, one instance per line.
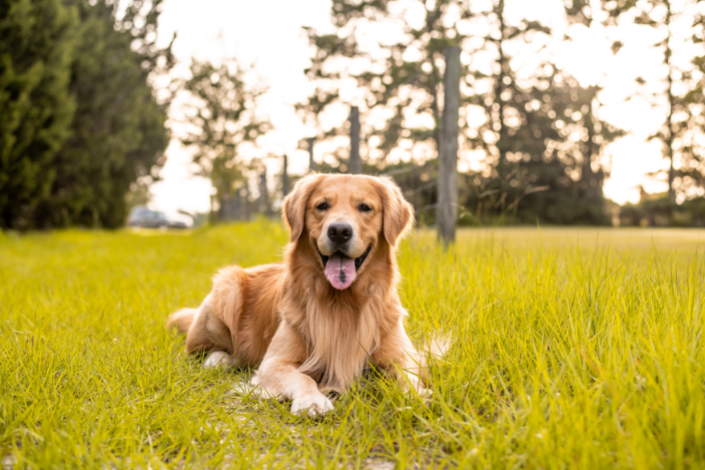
398 215
294 205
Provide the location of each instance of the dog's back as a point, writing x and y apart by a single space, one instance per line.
238 316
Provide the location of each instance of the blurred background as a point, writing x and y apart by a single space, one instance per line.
175 113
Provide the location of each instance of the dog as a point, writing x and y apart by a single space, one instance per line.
314 322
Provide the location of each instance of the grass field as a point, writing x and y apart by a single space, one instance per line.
572 348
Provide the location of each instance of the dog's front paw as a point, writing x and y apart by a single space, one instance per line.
313 405
216 359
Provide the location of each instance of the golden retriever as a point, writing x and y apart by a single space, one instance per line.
315 321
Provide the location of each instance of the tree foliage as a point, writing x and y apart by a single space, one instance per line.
36 47
223 121
118 133
680 29
109 131
535 125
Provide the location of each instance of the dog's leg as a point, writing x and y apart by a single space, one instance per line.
208 333
279 375
197 338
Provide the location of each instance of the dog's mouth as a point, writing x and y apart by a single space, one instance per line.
341 270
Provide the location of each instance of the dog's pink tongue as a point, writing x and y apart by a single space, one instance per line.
340 271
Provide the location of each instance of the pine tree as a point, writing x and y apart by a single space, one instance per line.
118 133
36 47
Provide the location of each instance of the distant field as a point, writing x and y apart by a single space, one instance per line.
571 348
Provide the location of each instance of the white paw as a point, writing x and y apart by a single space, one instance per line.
216 359
412 385
425 393
313 405
418 392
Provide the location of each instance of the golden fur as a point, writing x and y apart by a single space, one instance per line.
306 336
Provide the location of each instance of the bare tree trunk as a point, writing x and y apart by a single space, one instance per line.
447 211
355 163
213 217
311 161
591 179
264 206
285 177
245 191
671 105
239 208
430 20
498 89
228 208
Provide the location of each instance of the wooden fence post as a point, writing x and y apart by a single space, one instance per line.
285 177
311 161
239 208
355 163
447 210
245 191
264 205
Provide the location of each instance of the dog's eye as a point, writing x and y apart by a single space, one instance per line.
322 206
364 208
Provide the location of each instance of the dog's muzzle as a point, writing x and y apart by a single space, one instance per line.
340 269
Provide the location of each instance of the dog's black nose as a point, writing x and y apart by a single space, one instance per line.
340 233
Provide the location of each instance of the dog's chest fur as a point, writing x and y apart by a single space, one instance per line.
340 333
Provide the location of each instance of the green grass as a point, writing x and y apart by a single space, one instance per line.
571 348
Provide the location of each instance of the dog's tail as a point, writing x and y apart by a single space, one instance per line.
182 319
433 350
437 347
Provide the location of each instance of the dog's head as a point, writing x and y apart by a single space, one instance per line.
345 219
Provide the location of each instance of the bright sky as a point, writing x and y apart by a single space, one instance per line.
268 34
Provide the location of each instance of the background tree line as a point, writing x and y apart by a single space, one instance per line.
79 120
82 130
540 133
